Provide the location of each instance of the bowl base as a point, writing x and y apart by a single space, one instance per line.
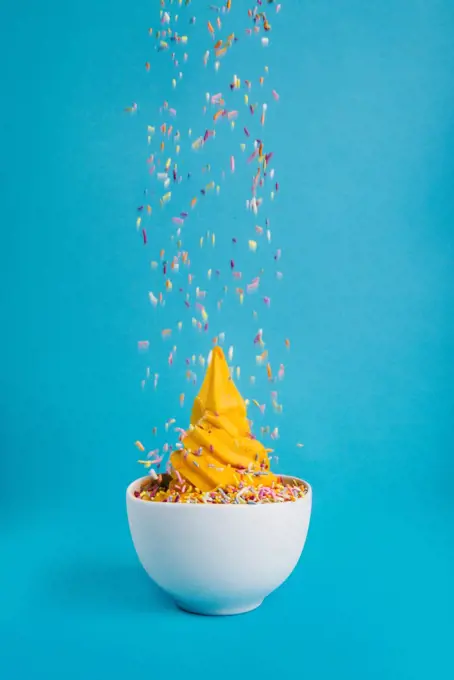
207 610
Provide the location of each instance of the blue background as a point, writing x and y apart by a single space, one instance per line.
364 149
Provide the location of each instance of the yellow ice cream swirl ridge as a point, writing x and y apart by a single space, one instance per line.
219 448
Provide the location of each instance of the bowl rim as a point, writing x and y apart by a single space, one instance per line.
159 504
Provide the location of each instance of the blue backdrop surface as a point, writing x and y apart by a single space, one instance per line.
364 148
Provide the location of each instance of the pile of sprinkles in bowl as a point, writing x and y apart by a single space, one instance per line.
243 494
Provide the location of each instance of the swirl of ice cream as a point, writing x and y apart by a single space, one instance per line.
219 448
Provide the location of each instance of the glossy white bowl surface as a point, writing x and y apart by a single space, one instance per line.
218 559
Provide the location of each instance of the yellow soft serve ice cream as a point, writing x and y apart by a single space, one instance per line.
219 448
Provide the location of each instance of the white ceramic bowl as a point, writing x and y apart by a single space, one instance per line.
218 559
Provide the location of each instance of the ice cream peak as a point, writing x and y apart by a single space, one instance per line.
219 448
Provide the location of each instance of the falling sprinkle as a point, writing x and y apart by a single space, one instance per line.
258 337
173 270
261 357
261 407
262 119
